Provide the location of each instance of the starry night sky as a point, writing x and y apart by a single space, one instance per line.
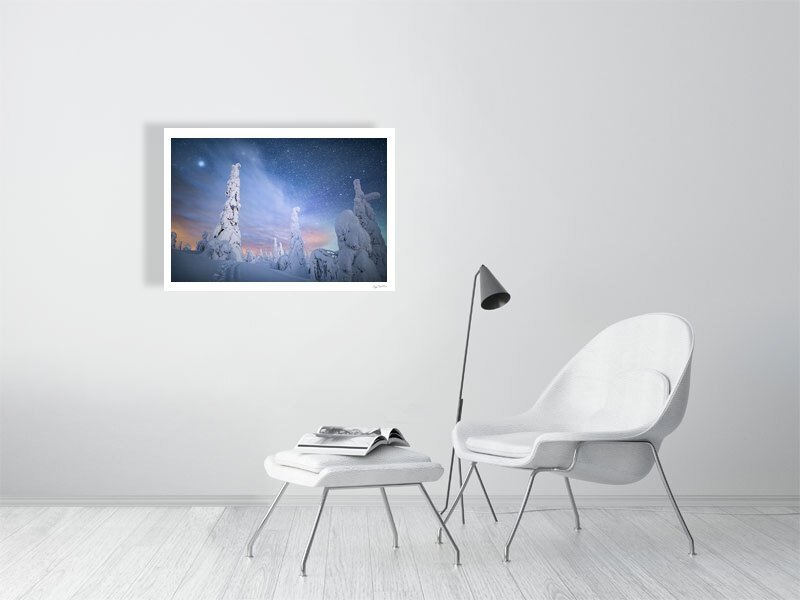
276 175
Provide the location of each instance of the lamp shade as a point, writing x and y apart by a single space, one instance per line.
493 294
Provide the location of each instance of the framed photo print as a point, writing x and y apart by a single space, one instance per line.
279 209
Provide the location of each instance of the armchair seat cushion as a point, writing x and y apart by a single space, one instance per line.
508 445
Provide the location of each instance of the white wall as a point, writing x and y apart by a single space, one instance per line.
603 159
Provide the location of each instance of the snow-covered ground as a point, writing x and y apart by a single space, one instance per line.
190 266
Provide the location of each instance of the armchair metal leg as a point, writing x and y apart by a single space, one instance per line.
455 503
449 481
574 507
460 483
313 531
672 500
442 523
257 532
489 502
391 518
519 516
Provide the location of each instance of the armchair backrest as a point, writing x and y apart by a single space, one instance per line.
633 376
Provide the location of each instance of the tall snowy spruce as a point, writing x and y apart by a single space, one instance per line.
226 241
296 263
174 238
353 262
366 216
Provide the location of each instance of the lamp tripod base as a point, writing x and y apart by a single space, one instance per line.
493 295
460 483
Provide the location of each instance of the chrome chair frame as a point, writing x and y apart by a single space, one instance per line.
535 472
442 523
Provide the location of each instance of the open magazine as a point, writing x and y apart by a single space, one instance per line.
349 441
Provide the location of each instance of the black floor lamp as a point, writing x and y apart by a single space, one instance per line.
493 295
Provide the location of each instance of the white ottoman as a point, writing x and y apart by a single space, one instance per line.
386 466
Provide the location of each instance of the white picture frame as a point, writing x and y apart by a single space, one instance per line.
277 134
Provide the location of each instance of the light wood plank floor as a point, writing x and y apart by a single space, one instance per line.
159 553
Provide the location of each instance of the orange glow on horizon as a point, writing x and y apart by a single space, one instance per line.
186 235
190 233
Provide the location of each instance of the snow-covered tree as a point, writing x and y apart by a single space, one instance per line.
218 249
296 264
174 237
323 264
250 257
202 244
275 252
353 263
187 248
228 228
264 258
366 216
280 249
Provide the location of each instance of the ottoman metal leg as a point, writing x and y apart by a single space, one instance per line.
313 531
257 532
391 518
442 523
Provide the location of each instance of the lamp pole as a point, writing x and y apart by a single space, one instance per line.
458 417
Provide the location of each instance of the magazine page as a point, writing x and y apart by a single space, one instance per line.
395 437
355 442
334 430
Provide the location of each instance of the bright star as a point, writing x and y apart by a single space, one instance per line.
201 163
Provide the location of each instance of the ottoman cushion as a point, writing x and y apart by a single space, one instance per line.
385 465
383 455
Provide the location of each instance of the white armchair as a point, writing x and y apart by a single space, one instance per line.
601 419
